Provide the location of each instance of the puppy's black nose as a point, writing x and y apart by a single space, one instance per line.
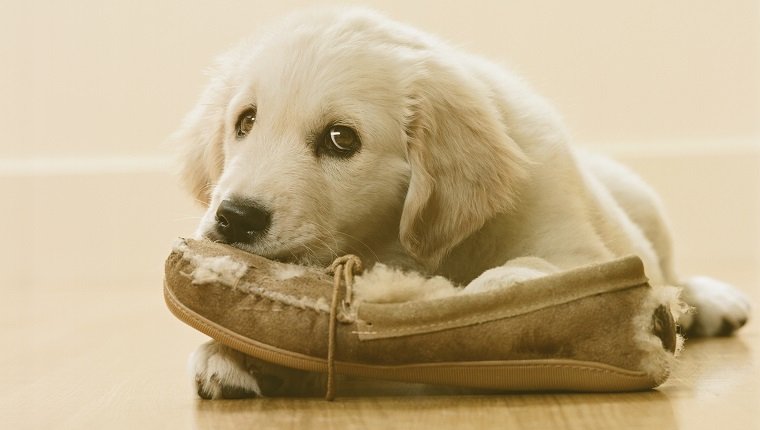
241 221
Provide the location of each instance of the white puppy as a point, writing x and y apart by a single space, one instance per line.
340 131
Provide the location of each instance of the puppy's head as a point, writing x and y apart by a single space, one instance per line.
341 131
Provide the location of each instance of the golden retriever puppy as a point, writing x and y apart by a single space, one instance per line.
340 131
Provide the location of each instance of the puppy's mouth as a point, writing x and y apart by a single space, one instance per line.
299 254
251 227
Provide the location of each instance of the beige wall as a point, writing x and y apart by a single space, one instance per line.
91 77
90 89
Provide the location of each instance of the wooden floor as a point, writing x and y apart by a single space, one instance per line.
115 358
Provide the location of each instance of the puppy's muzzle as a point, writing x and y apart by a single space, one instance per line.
241 221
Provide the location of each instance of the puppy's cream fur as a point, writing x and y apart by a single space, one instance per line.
463 172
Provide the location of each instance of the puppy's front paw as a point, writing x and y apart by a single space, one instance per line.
720 309
515 271
222 373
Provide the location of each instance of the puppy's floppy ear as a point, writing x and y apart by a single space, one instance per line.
464 166
199 141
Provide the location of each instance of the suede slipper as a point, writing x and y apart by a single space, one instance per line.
600 328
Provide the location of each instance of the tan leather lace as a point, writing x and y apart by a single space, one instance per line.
343 269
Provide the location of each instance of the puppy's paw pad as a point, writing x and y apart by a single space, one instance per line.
220 373
212 388
720 309
728 327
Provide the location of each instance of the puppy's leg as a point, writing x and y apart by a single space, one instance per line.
517 270
224 373
719 308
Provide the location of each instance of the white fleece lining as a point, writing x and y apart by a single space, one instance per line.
383 284
319 305
227 271
224 269
288 271
658 361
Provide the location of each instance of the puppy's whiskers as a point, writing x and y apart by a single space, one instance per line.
295 258
360 242
327 246
309 253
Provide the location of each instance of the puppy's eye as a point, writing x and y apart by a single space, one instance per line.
341 141
245 122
